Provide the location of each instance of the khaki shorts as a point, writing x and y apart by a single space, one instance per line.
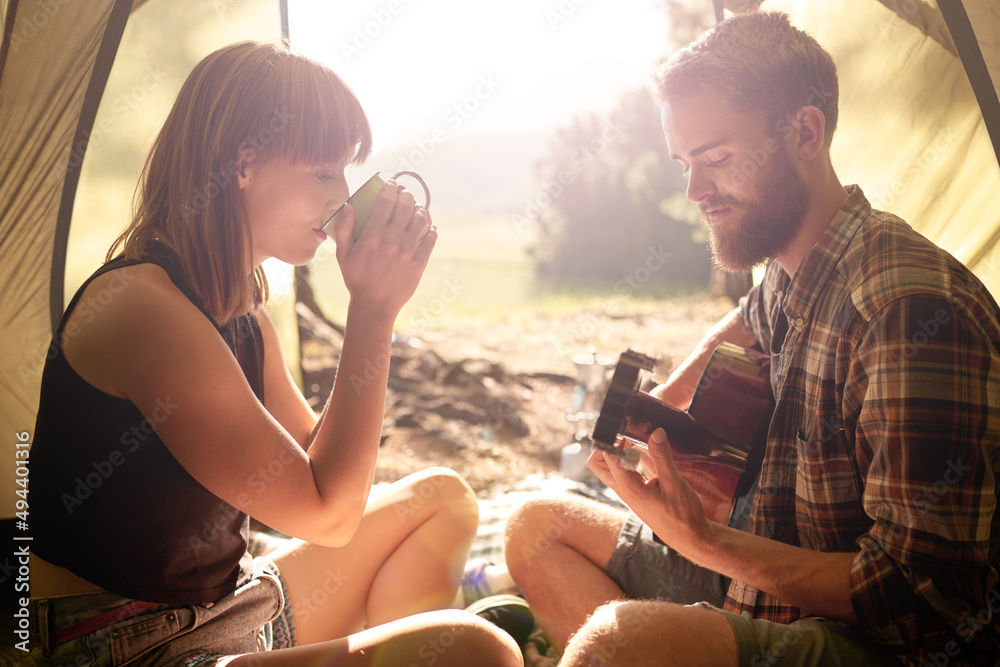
805 643
253 618
649 570
645 568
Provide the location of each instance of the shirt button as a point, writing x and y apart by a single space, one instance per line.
799 323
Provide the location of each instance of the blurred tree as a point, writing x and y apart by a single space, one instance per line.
611 199
605 205
686 19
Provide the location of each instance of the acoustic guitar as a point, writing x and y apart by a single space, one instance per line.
718 443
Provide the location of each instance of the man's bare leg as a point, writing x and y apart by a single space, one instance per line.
556 550
652 634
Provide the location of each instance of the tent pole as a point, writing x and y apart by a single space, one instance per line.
8 31
91 101
286 34
967 44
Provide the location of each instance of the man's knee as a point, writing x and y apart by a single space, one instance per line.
534 527
632 632
611 633
539 525
532 515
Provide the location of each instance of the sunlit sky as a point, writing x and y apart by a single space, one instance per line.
510 66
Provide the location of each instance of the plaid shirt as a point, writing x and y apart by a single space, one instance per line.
886 375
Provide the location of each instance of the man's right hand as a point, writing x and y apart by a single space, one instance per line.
665 502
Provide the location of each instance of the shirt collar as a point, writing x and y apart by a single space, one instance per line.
815 271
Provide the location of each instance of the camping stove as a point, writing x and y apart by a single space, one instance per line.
591 382
588 393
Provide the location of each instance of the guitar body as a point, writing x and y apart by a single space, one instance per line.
718 442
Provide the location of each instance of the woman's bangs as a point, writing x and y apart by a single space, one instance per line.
327 123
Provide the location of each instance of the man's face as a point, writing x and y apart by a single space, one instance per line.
739 173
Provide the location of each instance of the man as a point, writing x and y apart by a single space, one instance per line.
873 537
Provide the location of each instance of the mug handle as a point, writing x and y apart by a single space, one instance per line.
427 191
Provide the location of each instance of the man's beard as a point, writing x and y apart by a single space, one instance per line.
768 221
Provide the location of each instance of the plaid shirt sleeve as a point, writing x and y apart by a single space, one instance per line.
925 383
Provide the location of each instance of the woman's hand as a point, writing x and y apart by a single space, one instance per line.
383 267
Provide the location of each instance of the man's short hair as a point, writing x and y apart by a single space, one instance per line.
758 62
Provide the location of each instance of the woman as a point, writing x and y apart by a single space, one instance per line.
167 413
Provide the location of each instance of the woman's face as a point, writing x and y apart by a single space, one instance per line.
286 203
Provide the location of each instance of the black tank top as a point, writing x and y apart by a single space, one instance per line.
108 500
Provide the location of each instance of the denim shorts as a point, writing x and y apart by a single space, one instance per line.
649 570
251 619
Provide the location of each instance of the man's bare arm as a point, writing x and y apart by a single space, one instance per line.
679 388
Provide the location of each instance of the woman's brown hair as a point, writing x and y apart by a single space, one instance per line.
247 102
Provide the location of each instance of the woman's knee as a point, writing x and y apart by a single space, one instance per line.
445 638
450 638
478 642
441 488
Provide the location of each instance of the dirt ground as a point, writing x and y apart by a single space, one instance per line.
489 398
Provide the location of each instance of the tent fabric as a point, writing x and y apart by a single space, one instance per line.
925 18
50 84
912 132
